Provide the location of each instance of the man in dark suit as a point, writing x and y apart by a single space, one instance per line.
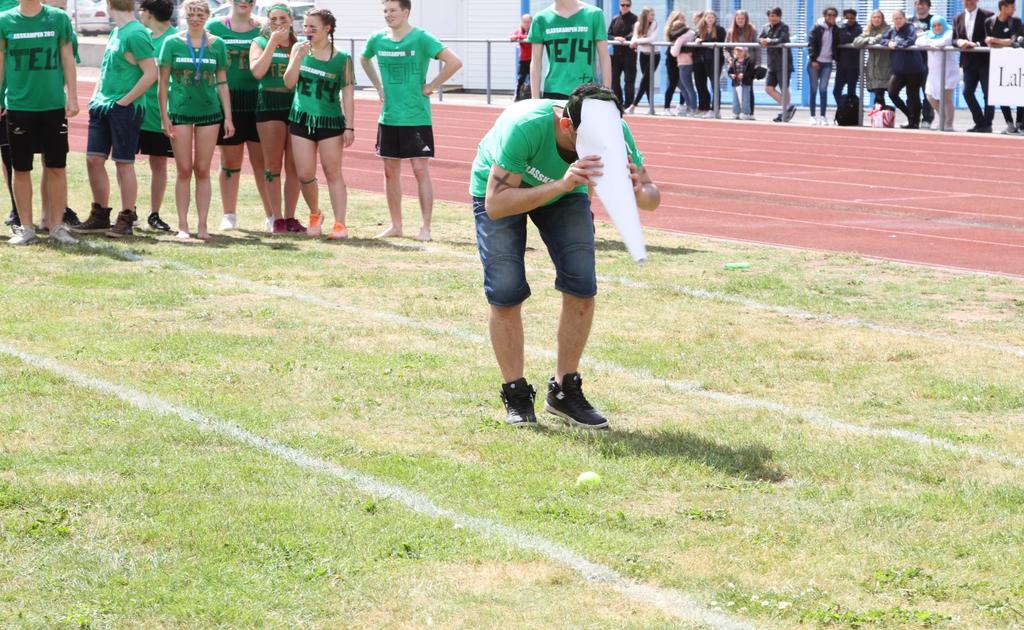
969 32
620 33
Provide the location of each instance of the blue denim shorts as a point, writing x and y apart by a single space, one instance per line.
567 228
115 131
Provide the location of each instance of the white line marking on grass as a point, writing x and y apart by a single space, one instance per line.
787 311
668 601
692 388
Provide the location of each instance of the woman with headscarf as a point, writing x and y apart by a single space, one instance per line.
938 86
879 67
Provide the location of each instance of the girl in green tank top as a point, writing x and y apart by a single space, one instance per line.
319 73
268 59
199 102
238 30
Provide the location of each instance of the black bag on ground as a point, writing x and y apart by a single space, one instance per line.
848 112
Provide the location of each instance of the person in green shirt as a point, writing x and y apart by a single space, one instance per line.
37 70
238 31
318 73
575 37
116 112
268 60
527 166
404 130
5 146
194 101
156 16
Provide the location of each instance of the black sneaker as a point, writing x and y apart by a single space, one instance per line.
777 118
156 223
790 113
13 219
518 397
98 221
569 402
71 218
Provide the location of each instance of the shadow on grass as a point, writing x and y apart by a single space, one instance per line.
604 244
750 461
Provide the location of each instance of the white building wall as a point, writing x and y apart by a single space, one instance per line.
447 19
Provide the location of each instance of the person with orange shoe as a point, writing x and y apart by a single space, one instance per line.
320 73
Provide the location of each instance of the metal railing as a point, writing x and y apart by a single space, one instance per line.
717 92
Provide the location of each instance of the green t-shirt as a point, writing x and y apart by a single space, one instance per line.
522 141
241 83
193 100
317 104
152 120
273 96
403 71
33 73
118 75
571 45
8 4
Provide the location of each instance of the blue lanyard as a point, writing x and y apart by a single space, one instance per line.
197 61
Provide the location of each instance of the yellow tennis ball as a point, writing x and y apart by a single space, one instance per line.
588 479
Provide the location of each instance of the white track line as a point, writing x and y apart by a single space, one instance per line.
691 388
668 601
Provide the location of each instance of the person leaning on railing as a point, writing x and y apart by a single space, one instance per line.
938 85
879 66
684 56
822 50
847 61
968 33
674 27
774 36
645 32
708 30
908 69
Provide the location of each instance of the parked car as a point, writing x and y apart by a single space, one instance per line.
91 17
298 8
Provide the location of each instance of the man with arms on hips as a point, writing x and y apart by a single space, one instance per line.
116 112
37 62
405 129
527 166
574 35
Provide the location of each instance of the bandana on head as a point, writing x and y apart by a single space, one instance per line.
279 7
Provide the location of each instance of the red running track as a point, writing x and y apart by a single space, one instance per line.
949 200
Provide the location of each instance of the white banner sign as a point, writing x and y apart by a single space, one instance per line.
1006 77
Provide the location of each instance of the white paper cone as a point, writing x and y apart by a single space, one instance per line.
600 133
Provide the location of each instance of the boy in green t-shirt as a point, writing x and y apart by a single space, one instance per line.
37 67
116 112
527 166
575 36
404 130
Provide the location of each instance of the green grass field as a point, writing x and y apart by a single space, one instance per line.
718 482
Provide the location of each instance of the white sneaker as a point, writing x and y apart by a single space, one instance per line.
631 109
735 116
183 235
710 114
813 121
823 122
23 236
748 117
62 236
935 125
270 224
229 222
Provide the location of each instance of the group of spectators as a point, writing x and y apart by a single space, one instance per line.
831 49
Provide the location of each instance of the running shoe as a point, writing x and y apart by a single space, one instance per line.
269 224
71 218
156 223
518 398
1011 130
13 219
316 222
338 232
229 222
567 401
790 113
293 225
23 236
62 235
280 226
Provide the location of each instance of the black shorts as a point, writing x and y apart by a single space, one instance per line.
277 116
772 79
405 142
245 130
316 135
155 144
38 132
